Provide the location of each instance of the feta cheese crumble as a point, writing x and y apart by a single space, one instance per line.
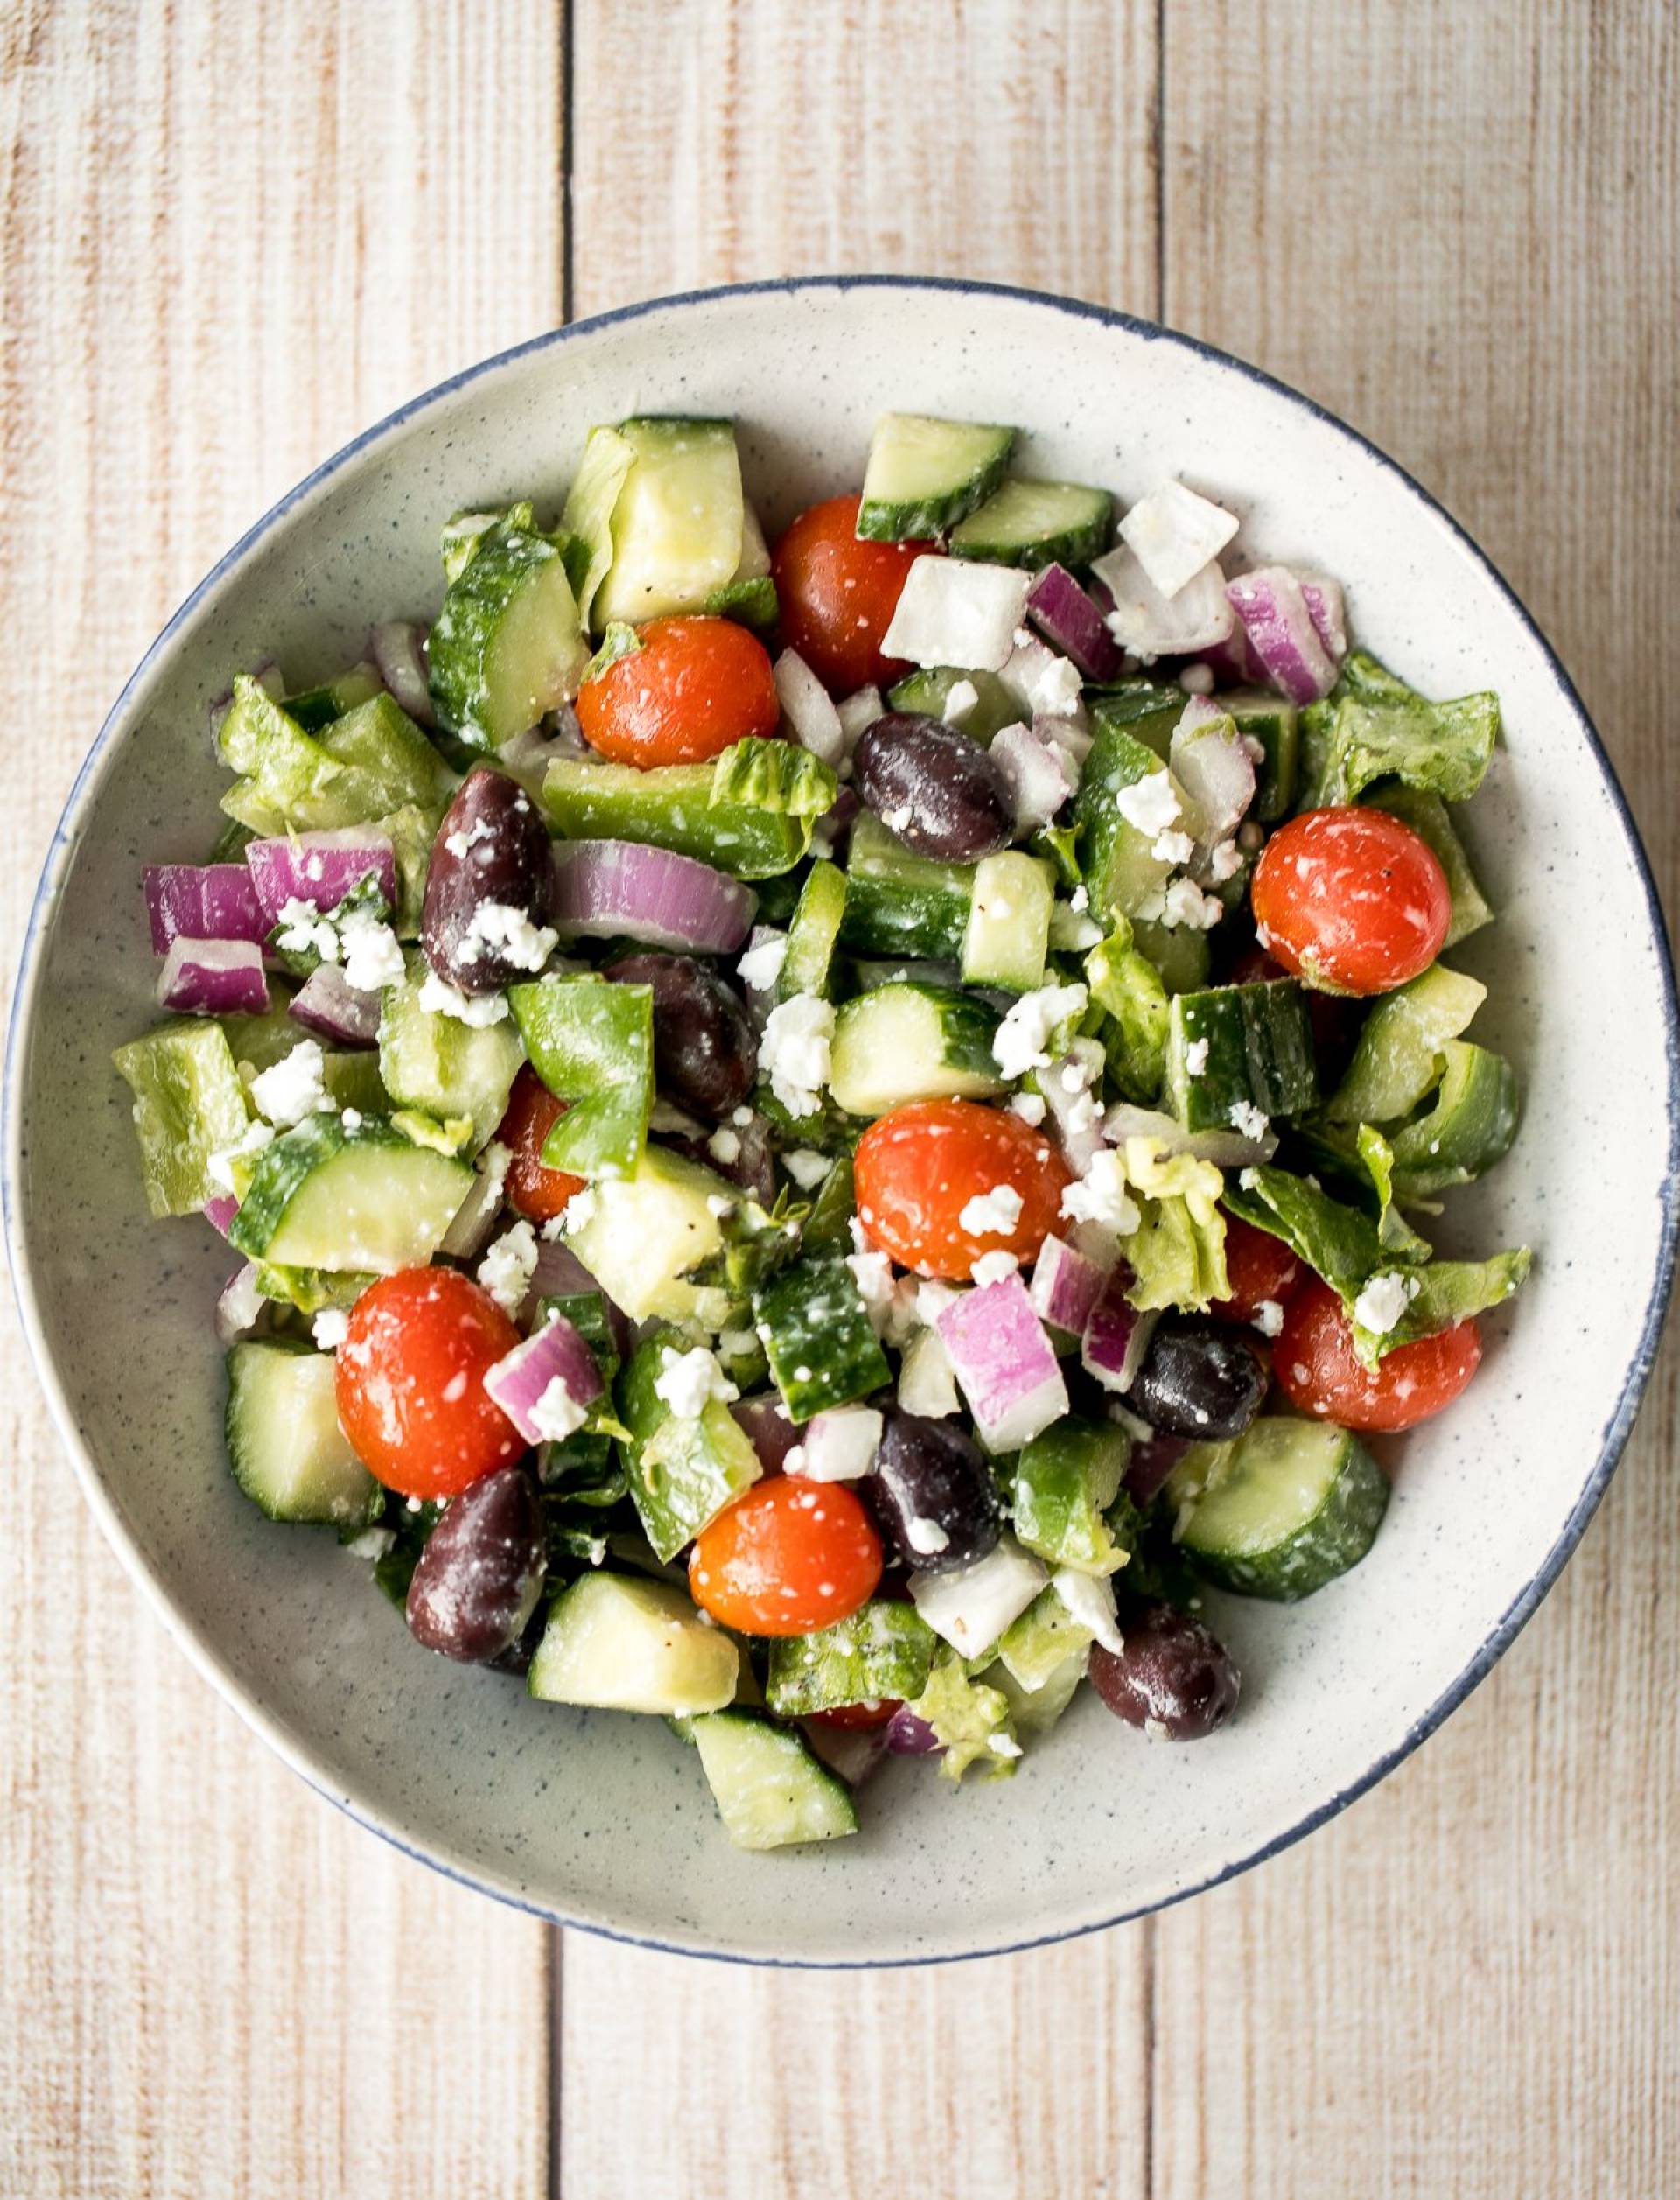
330 1328
1269 1317
251 1142
1195 1057
1183 903
807 1167
1150 803
302 927
1021 1041
1225 862
994 1267
478 1011
372 954
1383 1300
961 698
689 1380
1029 1106
760 966
293 1087
506 1269
556 1414
725 1146
794 1051
497 929
998 1210
1101 1195
1173 847
1248 1119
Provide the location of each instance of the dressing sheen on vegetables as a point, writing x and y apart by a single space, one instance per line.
822 1133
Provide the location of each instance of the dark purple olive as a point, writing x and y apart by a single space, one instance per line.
480 1572
705 1057
489 887
741 1153
934 1493
1199 1379
1154 1457
938 790
1175 1678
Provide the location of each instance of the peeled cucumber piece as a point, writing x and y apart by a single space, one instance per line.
678 525
641 1235
771 1791
620 1644
926 474
188 1104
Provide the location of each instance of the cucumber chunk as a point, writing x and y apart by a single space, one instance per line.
670 806
924 475
1042 1642
1276 725
641 1235
681 1472
899 903
928 691
188 1104
1037 523
621 1644
1237 1048
1398 1058
910 1041
316 708
1288 1507
288 1453
464 531
1008 934
885 1648
1065 1482
1122 870
816 1333
434 1062
508 643
814 934
678 525
1469 1125
771 1791
368 1200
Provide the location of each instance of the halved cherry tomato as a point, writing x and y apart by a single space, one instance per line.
838 595
1315 1367
1351 900
535 1191
695 686
1261 1268
788 1557
916 1169
858 1718
410 1381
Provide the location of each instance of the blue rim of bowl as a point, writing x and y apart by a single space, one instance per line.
1616 1429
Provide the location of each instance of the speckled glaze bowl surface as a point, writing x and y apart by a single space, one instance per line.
604 1820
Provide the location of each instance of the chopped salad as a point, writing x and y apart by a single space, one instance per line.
820 1137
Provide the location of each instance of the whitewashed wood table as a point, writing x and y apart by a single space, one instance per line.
231 234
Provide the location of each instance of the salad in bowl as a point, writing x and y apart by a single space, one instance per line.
817 1136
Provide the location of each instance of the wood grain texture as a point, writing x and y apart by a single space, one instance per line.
230 237
1461 227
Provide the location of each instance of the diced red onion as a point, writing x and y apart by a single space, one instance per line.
618 889
1070 1087
1191 621
1214 769
395 647
267 675
1004 1363
909 1736
1226 1149
321 867
220 1210
1070 618
1152 1461
202 901
852 1752
1115 1336
1038 770
519 1383
769 1429
240 1306
839 1444
1272 608
1065 1287
1232 662
475 1219
328 1003
808 708
1328 609
213 978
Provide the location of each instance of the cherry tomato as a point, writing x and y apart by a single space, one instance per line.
858 1718
838 595
535 1191
411 1382
789 1556
916 1169
1261 1269
695 686
1351 900
1315 1364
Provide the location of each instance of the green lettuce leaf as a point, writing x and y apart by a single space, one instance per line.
620 641
969 1718
777 776
1177 1253
1371 726
1128 988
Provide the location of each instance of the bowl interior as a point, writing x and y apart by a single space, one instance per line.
604 1820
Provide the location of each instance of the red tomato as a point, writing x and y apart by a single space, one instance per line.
411 1382
838 595
1351 900
854 1718
695 686
789 1556
535 1191
916 1169
1260 1266
1314 1364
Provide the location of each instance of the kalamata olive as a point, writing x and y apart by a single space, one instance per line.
934 1493
1153 1458
1199 1379
480 1572
741 1153
705 1057
488 888
1175 1678
938 790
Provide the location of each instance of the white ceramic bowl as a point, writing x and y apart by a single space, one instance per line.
606 1821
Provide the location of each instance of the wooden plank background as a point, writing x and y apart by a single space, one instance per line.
231 234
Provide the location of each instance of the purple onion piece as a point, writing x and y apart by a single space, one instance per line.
1005 1364
240 1306
621 889
521 1382
220 1210
908 1736
396 648
1070 620
1273 610
1153 1459
1038 770
1328 609
321 867
1065 1287
1215 771
1074 1111
327 1004
560 1274
1115 1336
213 978
202 901
1232 662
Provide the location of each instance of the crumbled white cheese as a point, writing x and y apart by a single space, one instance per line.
1250 1179
725 1146
438 998
718 1204
219 1166
807 1167
794 1051
995 1267
1071 929
1225 862
372 1543
556 1414
1089 1600
687 1382
998 1210
1196 679
1150 804
1173 533
735 1344
1029 1106
506 1269
1383 1300
351 1118
1101 1195
302 927
1173 847
1183 903
458 844
372 954
498 930
926 1538
1020 1041
1002 1745
760 966
330 1328
1195 1057
1252 1121
960 699
293 1087
1269 1317
926 1380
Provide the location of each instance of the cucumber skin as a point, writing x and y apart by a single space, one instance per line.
925 691
243 1359
815 1805
462 645
669 806
283 1168
901 904
1335 1538
824 1670
1000 540
966 1027
1120 866
1260 1051
811 1317
807 967
887 518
